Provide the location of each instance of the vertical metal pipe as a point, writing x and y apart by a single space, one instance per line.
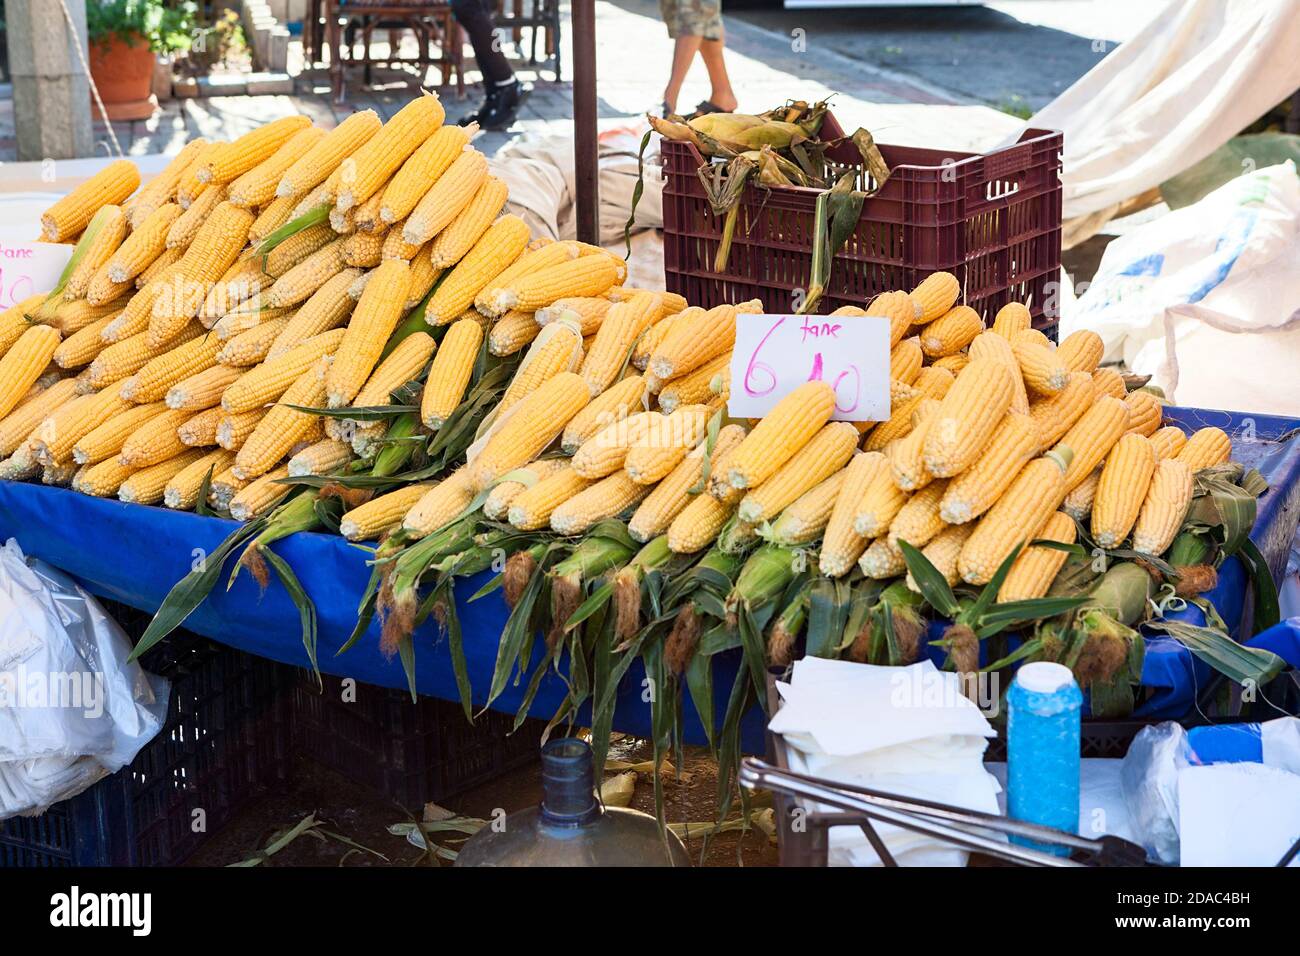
585 159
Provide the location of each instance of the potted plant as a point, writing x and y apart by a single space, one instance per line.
125 36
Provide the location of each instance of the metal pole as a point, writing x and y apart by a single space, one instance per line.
585 160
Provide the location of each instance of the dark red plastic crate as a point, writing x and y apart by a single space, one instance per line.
993 220
410 752
225 741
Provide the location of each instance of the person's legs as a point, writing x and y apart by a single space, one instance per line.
684 50
721 94
503 92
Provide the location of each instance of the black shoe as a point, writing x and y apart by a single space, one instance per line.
502 105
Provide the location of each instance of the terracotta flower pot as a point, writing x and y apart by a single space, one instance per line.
124 76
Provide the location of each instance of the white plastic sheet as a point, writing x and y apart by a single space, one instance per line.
1194 77
72 709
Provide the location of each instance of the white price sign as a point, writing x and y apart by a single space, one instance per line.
776 353
30 267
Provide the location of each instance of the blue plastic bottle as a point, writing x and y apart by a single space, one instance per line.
1044 706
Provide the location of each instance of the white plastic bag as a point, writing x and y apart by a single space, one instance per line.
1149 780
72 709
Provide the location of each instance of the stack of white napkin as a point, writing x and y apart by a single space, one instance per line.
904 730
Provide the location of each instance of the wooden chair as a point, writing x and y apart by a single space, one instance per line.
433 24
545 17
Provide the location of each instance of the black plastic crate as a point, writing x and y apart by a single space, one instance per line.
225 741
411 752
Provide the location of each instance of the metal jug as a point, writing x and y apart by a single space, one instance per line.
571 828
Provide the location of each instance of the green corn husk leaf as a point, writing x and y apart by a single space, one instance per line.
88 236
312 217
1240 664
296 514
1253 483
637 191
932 585
201 506
821 257
1221 507
844 210
699 683
366 413
1124 592
1012 613
829 604
1267 607
871 157
306 609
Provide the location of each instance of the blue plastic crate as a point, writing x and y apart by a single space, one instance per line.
226 739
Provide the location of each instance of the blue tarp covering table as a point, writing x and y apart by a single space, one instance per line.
135 554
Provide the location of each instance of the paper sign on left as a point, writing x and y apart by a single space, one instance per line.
30 267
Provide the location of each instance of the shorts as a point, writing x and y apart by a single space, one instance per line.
693 18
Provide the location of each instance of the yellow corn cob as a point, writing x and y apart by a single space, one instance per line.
654 454
231 160
692 345
185 228
606 450
531 509
1034 337
327 309
942 552
257 186
449 375
534 423
1164 508
18 425
155 440
1044 371
395 247
1016 519
201 429
842 545
1145 413
907 454
376 315
378 516
202 389
241 282
1012 318
882 560
283 427
701 385
270 218
66 219
776 439
534 260
459 237
297 248
967 417
1091 438
826 453
159 266
684 484
111 232
698 524
895 306
267 382
974 491
315 166
213 251
918 520
71 317
423 278
258 497
932 383
403 364
654 336
14 321
617 402
583 276
624 323
365 217
512 332
1167 441
371 166
250 315
440 505
145 244
878 505
147 486
102 480
322 197
498 247
363 249
1035 568
343 223
1107 381
1081 351
937 293
160 373
989 344
559 350
589 311
306 277
1056 415
233 430
252 345
905 361
188 187
805 519
606 498
162 188
951 332
1207 447
23 364
496 505
952 363
223 488
182 490
1121 489
1078 501
445 200
106 440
